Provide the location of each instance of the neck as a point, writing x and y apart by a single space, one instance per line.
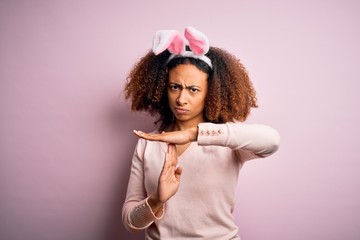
183 125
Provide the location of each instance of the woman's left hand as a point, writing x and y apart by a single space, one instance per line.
176 137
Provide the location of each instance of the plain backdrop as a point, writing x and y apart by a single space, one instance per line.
66 130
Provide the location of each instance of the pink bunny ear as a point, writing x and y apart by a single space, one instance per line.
198 41
168 39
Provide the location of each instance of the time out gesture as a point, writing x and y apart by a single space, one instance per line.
175 137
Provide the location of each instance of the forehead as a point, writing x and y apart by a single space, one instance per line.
187 74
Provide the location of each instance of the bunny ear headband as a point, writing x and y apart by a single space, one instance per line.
175 43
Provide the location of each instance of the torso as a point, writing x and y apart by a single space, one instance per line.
206 194
180 149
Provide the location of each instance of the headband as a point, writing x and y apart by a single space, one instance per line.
175 43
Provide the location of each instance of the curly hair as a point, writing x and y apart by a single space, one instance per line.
230 95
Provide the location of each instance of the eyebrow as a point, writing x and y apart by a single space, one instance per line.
179 84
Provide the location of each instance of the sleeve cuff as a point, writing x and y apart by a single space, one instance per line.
212 134
142 215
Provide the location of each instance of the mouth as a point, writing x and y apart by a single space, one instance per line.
181 110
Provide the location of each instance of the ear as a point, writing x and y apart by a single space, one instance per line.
198 41
168 39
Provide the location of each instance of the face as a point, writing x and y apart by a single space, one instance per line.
187 89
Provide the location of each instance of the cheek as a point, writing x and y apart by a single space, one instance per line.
201 101
171 97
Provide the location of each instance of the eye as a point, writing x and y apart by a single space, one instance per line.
194 90
174 87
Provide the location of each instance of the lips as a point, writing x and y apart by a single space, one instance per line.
181 110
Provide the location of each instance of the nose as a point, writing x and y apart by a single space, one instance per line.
181 99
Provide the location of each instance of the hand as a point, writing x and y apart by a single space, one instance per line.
169 179
176 137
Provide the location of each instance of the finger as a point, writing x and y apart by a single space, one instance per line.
174 159
167 161
167 171
147 136
175 156
178 173
172 154
171 148
139 133
151 137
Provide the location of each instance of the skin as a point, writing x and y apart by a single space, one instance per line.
187 89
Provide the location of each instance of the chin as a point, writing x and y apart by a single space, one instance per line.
181 117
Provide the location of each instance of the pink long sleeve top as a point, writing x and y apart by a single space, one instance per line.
203 205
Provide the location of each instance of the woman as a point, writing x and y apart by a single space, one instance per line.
184 175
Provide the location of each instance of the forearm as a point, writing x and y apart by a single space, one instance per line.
258 139
140 215
137 213
156 205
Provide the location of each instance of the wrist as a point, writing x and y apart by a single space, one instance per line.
193 133
154 202
156 206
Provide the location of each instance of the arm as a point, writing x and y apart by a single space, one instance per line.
176 137
139 211
169 179
256 140
251 140
136 211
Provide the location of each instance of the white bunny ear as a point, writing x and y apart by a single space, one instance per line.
198 41
168 39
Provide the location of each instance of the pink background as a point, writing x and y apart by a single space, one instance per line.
65 129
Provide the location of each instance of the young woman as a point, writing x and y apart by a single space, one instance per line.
184 174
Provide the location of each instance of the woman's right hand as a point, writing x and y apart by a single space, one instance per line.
169 179
174 137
